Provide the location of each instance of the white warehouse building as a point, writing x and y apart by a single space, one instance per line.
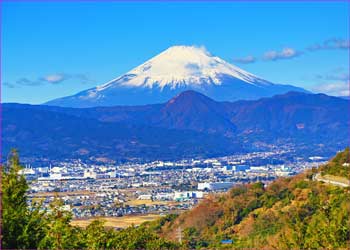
188 195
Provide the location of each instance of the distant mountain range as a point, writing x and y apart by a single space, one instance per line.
188 125
177 69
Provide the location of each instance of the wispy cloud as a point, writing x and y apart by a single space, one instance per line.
286 53
245 60
344 76
271 55
332 43
56 78
336 82
28 82
333 88
291 53
337 74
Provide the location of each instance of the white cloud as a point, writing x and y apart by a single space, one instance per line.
55 78
48 79
334 88
286 53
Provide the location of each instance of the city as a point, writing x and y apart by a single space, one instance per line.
154 188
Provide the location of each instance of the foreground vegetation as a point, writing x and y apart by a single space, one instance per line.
338 166
289 213
25 228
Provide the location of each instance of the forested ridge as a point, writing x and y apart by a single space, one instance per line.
290 213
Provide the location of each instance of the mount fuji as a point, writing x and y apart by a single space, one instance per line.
177 69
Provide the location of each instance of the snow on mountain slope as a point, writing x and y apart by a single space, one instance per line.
176 69
179 66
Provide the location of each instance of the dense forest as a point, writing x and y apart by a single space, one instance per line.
289 213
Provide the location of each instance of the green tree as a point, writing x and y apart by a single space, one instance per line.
22 227
60 234
139 238
190 237
35 227
14 187
97 236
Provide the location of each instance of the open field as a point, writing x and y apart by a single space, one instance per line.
148 202
121 222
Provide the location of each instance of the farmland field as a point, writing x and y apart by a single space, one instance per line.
120 222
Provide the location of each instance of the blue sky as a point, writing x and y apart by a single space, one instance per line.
54 49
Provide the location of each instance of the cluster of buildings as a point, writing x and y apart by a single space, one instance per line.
161 187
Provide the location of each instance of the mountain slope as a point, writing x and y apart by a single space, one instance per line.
191 110
177 69
315 117
289 213
292 113
188 125
41 132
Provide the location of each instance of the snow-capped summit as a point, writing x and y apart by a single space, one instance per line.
174 70
181 66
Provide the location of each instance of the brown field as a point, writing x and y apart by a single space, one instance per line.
121 222
147 202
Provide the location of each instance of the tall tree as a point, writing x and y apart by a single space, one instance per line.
21 227
14 187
